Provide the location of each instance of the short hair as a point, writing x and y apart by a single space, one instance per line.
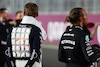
74 15
31 9
19 12
2 9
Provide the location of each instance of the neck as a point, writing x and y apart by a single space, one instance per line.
1 19
30 16
76 24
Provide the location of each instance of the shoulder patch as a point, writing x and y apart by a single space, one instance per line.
87 38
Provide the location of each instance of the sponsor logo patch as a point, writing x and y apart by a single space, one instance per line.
87 38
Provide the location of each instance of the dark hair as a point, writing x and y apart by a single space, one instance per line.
19 12
2 9
31 9
74 15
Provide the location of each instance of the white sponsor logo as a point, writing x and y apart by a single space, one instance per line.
88 48
68 34
55 30
68 47
90 53
68 41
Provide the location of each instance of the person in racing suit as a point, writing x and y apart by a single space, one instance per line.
24 43
74 47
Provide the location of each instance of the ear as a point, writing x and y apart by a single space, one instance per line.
81 21
24 13
37 14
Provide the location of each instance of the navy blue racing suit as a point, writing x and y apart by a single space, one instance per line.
24 43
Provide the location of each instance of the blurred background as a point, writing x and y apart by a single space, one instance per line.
54 6
52 14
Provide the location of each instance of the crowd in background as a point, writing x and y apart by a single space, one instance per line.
6 25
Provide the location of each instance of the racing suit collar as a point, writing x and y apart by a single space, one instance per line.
33 21
77 27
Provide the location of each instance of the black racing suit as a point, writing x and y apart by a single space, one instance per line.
4 31
24 43
75 48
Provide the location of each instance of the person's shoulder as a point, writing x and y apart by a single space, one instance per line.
35 28
68 27
79 30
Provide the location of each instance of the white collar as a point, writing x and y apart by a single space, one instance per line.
33 21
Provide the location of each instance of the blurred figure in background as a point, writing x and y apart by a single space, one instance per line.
19 15
4 31
3 36
18 18
4 14
74 47
2 55
1 18
94 31
5 17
